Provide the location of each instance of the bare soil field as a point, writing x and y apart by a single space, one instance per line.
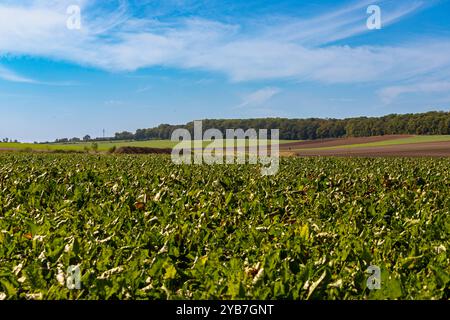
428 149
142 150
324 143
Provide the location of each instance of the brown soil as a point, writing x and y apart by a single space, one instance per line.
428 149
339 142
142 150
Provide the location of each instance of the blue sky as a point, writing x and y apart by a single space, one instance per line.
136 64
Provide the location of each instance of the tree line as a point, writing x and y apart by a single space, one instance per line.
430 123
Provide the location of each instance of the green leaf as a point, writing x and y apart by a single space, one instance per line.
10 290
171 272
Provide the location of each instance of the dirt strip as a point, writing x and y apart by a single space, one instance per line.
429 149
339 142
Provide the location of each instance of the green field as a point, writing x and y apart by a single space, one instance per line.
140 227
102 146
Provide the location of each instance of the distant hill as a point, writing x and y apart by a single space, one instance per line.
430 123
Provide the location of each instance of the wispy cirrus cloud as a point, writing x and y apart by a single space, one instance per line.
114 102
300 49
10 75
389 94
341 23
258 98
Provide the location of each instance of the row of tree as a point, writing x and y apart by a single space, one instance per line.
430 123
86 138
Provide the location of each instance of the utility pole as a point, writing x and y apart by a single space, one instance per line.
103 133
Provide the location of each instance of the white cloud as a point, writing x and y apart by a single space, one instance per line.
144 89
389 94
12 76
113 102
295 48
9 75
259 97
342 23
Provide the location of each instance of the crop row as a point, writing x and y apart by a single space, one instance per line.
140 227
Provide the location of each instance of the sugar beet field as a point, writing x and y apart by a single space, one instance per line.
140 227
